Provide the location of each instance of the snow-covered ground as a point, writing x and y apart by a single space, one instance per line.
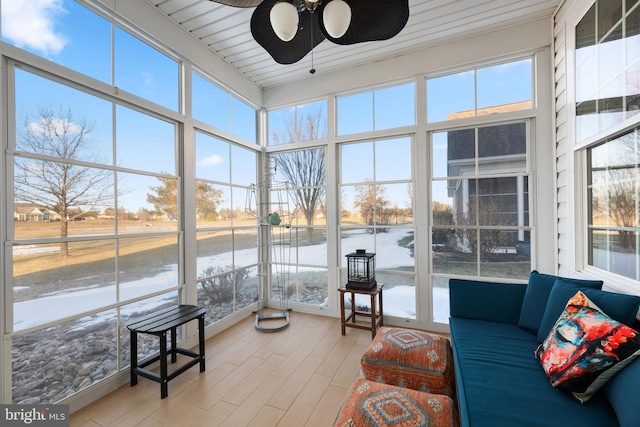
399 301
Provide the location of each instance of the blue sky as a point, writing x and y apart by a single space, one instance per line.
57 30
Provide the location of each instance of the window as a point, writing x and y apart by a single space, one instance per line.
95 232
480 205
216 107
299 252
297 124
95 182
61 28
138 133
607 66
469 203
482 91
376 214
58 32
614 205
227 253
384 108
144 71
480 215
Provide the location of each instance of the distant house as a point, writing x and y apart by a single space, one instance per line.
31 213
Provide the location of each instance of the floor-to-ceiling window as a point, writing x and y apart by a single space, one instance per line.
227 254
376 191
96 233
297 189
302 248
480 169
96 154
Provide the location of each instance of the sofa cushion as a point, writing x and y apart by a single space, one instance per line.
621 307
500 383
620 391
372 404
585 348
536 296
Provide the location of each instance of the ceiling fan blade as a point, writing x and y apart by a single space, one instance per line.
238 3
371 20
285 52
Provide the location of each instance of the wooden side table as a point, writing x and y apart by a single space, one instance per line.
375 315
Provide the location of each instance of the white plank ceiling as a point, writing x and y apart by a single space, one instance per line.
225 30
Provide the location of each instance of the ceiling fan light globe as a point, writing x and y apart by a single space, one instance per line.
284 20
336 17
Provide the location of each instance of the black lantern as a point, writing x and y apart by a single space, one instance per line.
361 270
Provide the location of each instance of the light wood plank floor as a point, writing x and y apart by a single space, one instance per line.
292 378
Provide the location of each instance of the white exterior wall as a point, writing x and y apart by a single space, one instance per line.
571 215
570 159
562 165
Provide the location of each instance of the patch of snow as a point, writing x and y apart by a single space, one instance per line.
398 301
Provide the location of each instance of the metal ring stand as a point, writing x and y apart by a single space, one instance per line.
269 202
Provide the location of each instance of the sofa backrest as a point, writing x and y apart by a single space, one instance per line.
622 393
494 302
537 295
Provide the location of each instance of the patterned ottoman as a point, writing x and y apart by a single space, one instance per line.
371 404
412 359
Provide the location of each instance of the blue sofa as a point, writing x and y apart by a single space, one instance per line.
495 329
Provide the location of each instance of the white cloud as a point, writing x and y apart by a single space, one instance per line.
30 24
212 160
59 126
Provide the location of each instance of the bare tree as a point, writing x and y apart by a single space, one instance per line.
614 192
623 209
410 199
54 182
371 201
301 128
304 169
613 188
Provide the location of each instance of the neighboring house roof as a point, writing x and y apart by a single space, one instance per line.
31 210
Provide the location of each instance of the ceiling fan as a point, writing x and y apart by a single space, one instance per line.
289 29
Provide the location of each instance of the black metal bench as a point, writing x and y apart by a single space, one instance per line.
158 324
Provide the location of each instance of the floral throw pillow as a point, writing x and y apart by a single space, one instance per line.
585 348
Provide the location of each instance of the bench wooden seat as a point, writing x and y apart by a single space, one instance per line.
159 323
